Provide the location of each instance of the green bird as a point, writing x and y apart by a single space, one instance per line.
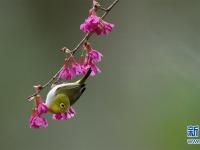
62 96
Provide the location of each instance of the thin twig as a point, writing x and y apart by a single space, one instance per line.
102 8
85 38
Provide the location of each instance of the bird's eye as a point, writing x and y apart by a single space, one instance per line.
62 105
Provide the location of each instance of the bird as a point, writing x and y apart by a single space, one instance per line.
62 96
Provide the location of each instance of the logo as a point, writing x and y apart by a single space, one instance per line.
193 134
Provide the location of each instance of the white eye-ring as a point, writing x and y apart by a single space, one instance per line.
62 105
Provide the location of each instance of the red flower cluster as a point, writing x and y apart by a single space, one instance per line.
94 24
87 61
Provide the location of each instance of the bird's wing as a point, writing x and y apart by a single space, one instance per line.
72 90
67 88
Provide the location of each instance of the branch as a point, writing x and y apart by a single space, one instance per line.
85 38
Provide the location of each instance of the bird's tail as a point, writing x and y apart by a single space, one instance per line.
82 81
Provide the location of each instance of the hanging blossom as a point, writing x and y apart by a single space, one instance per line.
95 69
66 72
84 64
87 61
65 116
76 67
94 55
94 24
36 120
40 106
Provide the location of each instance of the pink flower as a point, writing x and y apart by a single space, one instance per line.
37 121
84 68
69 114
95 69
57 116
66 73
93 55
64 116
72 111
88 62
94 24
40 106
106 27
76 68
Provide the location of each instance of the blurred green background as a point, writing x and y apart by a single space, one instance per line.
146 95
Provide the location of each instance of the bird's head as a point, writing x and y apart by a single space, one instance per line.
60 104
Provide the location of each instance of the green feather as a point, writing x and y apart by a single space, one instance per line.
74 90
